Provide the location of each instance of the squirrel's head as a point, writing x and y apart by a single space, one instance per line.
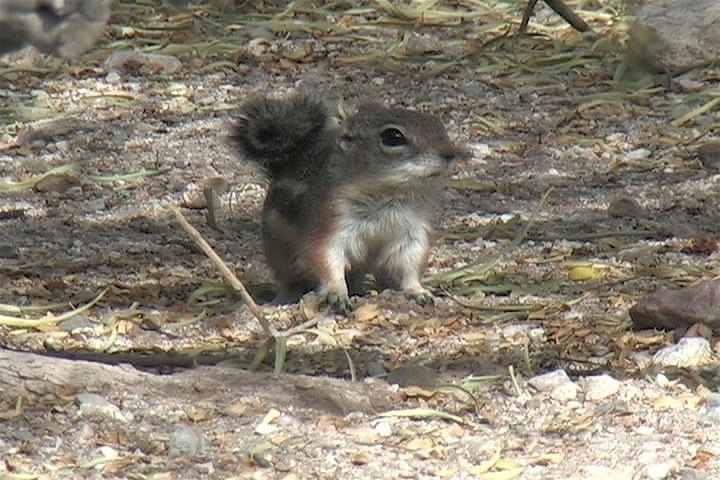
396 144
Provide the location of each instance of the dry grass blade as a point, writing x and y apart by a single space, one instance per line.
114 333
696 112
32 181
280 353
262 353
425 413
16 310
127 177
50 319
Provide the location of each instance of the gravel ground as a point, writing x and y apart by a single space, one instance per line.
631 211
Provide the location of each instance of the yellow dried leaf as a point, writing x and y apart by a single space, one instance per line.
582 273
502 474
423 443
538 314
198 414
308 310
487 464
365 313
361 458
128 32
667 402
473 337
455 430
236 410
279 439
507 464
124 326
265 427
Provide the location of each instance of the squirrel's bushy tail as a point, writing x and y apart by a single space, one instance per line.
277 132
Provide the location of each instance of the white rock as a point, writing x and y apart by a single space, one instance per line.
94 405
638 154
661 470
564 392
549 381
479 151
383 428
688 352
599 387
522 332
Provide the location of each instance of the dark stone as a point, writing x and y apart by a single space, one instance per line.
413 376
682 308
709 155
625 207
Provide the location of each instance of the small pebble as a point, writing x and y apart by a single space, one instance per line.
661 470
113 77
549 381
143 63
565 392
599 387
185 440
76 323
639 154
413 375
92 404
625 207
383 428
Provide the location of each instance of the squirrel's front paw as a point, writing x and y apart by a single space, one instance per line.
421 296
338 302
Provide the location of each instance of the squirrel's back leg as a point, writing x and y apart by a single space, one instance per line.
326 258
302 249
283 253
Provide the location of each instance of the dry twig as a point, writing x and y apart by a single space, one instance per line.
561 9
226 272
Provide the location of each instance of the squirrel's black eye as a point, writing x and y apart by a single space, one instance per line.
392 137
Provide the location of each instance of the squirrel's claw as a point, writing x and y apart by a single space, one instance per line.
422 297
338 302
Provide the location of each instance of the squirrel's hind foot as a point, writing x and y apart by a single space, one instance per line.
421 296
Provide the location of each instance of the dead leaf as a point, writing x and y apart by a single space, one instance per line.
236 410
366 312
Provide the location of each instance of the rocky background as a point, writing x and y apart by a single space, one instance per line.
574 332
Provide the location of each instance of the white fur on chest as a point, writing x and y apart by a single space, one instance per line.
372 237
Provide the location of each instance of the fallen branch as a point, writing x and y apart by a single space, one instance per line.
226 272
567 13
30 376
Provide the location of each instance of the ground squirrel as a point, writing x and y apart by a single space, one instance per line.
346 198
